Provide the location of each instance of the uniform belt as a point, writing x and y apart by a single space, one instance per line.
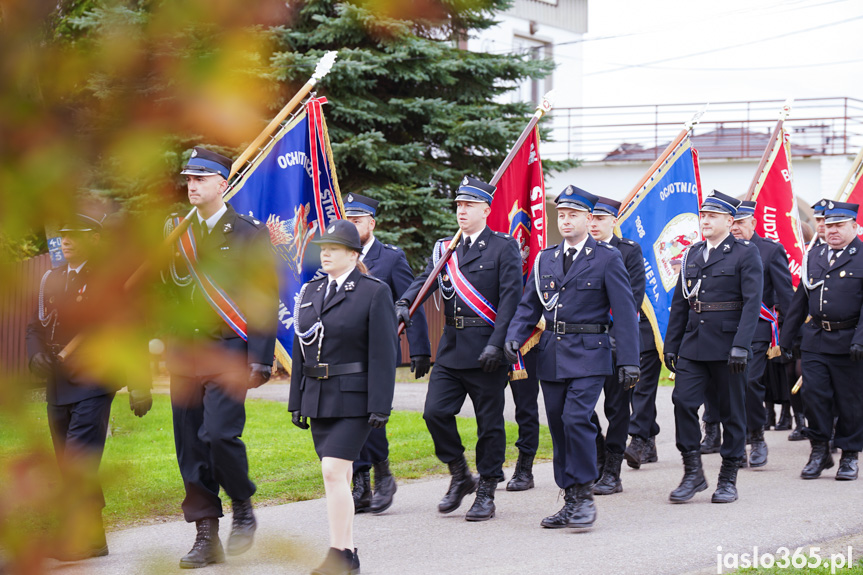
561 328
836 325
700 306
461 322
326 370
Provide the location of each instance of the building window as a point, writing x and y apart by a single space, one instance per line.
532 90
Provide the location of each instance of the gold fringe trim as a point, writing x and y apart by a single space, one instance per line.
534 338
518 374
774 351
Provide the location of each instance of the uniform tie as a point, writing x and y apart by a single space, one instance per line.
331 291
568 257
71 278
466 246
707 254
202 230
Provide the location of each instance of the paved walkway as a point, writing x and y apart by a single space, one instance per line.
637 531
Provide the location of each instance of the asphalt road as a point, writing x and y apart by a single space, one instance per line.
637 531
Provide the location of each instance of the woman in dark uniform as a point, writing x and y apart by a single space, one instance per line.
343 375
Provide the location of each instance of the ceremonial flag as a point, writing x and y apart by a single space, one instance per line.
292 187
663 218
852 191
776 212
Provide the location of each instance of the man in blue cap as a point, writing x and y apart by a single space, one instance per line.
829 300
714 313
573 287
776 301
221 345
617 399
390 265
481 286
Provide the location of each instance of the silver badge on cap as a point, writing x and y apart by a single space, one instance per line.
464 182
331 229
194 153
569 191
350 197
823 202
830 205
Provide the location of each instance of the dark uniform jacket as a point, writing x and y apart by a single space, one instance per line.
390 265
839 298
359 326
69 310
732 274
237 255
778 289
633 260
493 266
595 285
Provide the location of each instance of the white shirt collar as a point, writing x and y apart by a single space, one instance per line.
366 248
473 236
339 280
214 219
77 270
714 246
578 247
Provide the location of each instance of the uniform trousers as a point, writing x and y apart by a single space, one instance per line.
569 405
696 379
524 395
642 422
208 423
447 391
756 412
833 383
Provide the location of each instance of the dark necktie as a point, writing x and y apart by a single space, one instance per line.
709 253
71 280
568 257
834 255
331 291
202 230
465 246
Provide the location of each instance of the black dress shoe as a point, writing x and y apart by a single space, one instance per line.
847 466
561 519
522 477
207 548
483 506
385 488
243 526
693 478
462 483
338 562
819 460
362 491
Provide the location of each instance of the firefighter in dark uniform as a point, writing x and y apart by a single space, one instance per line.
575 285
714 313
830 302
524 396
776 301
487 280
390 265
343 377
79 403
643 427
617 399
213 361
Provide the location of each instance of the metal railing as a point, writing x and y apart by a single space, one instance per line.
818 126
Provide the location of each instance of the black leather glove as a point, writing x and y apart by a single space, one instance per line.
737 360
299 420
671 362
42 365
856 352
627 375
140 401
378 420
403 313
259 374
510 350
420 365
491 358
787 355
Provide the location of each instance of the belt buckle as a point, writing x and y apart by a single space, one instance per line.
326 367
697 306
459 321
560 327
825 325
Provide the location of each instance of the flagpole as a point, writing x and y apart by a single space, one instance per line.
544 107
768 151
843 192
322 68
687 128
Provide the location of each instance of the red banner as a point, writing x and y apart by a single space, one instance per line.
777 214
855 196
518 208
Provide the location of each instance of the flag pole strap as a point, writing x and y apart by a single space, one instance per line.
543 108
768 151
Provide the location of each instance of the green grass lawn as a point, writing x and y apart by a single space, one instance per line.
142 481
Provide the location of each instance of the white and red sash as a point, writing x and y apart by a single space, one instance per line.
221 303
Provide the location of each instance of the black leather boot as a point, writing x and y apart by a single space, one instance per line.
355 563
847 466
758 449
726 486
784 422
338 562
799 425
522 477
600 454
635 451
243 525
584 514
712 438
207 548
385 487
463 483
693 478
771 415
610 482
650 455
483 506
561 519
362 491
819 460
